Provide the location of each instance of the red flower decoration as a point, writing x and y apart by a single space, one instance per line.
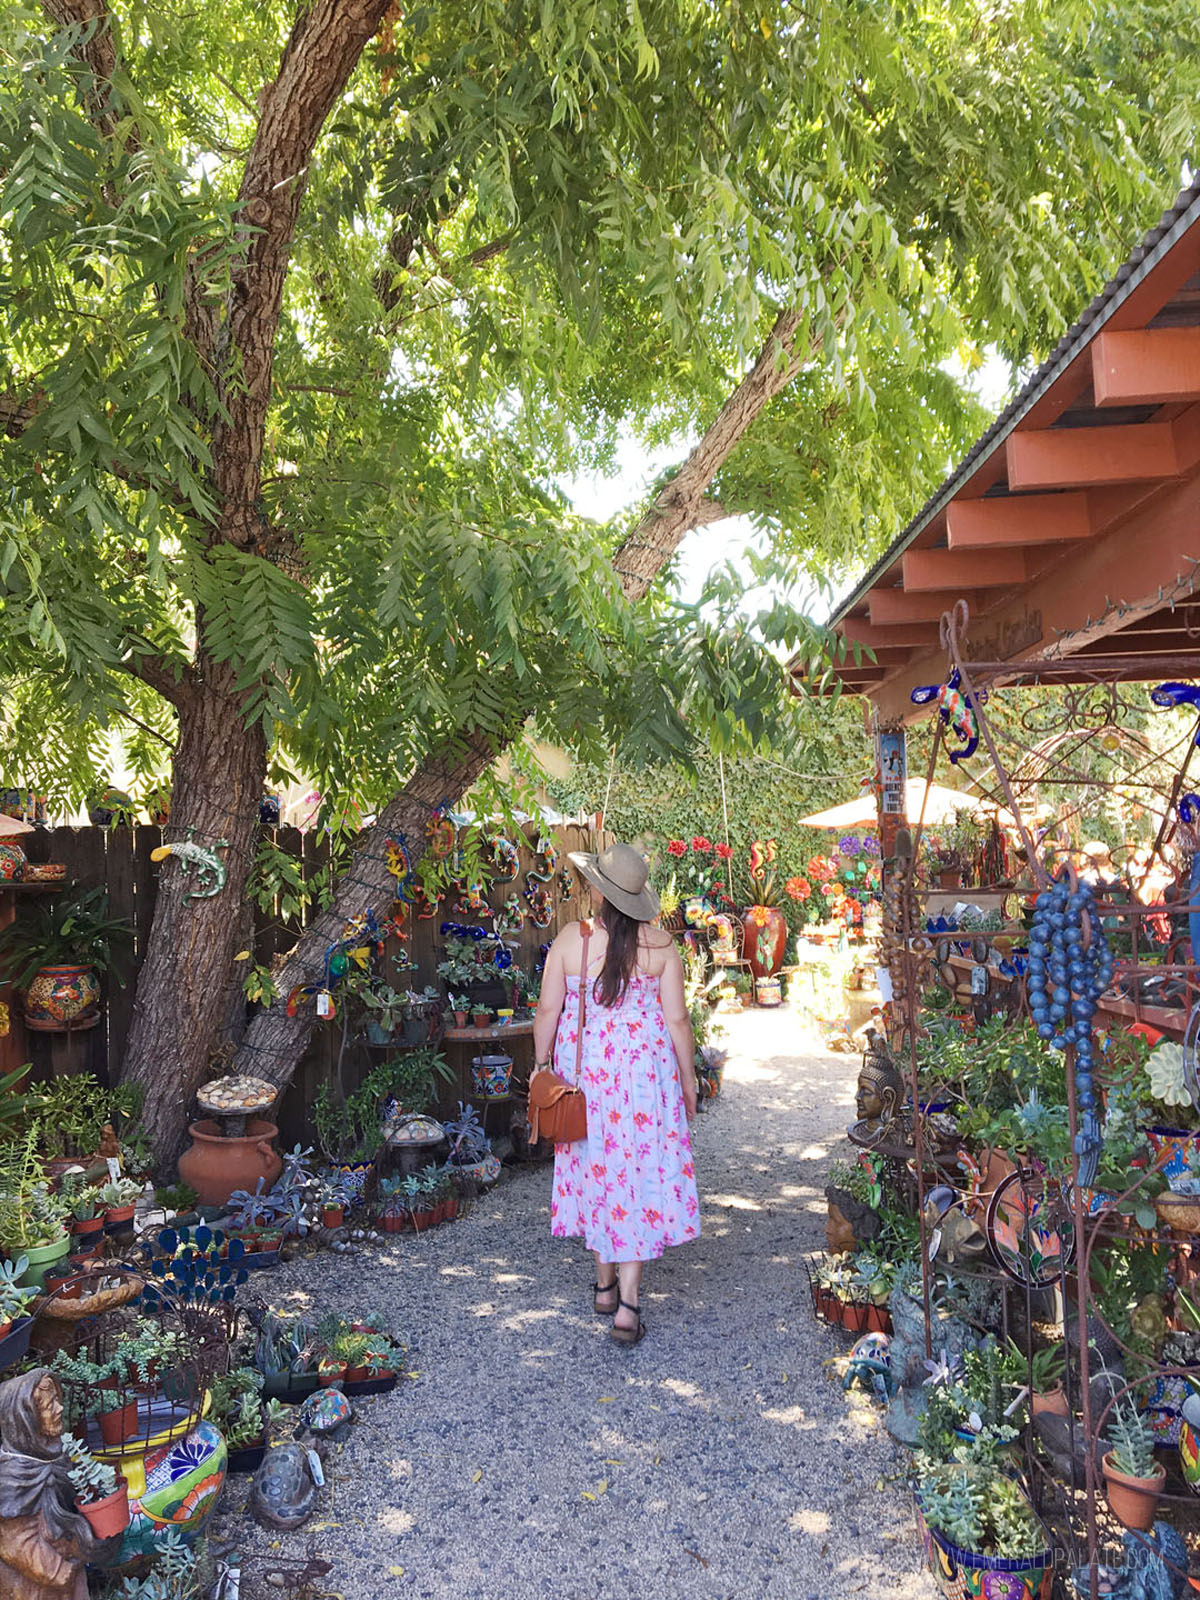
798 888
676 847
724 851
821 869
699 843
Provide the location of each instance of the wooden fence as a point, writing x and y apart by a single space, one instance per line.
119 858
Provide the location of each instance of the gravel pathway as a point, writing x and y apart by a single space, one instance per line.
530 1456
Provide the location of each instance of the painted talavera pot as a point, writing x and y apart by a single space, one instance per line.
491 1076
214 1166
12 862
174 1485
1172 1147
1189 1442
61 998
764 940
963 1575
354 1175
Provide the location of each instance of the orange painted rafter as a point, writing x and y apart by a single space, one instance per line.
915 635
894 605
963 569
1073 458
1147 366
1017 520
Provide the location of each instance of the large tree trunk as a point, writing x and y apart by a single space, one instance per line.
217 784
274 1041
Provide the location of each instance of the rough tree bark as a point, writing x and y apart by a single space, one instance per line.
275 1042
219 767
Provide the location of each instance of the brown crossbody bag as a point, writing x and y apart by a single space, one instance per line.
557 1109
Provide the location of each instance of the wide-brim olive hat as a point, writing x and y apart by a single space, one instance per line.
620 874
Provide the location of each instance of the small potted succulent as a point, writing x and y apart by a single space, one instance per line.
14 1295
460 1007
104 1394
118 1199
1047 1369
85 1217
1133 1477
470 1156
394 1196
352 1349
31 1225
331 1198
481 1016
238 1410
101 1494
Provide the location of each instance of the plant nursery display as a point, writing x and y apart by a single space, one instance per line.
55 953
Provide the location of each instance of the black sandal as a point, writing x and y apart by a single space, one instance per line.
629 1335
606 1288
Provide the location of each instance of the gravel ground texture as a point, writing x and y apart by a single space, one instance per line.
529 1456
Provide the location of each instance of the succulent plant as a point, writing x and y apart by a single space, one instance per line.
91 1479
1131 1441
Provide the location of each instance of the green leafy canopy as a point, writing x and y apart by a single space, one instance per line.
526 230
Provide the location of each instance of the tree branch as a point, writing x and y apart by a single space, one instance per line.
99 54
167 677
324 48
682 504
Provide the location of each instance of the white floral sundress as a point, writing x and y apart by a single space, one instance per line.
629 1188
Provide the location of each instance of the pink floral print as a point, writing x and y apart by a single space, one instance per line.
629 1188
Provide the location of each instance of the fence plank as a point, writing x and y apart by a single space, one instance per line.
120 981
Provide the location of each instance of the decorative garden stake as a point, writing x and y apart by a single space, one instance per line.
201 859
1070 966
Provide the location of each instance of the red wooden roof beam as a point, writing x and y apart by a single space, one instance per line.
1146 367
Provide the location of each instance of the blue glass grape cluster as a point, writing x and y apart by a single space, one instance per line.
1067 975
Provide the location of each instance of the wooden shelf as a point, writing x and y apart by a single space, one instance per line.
1167 1019
487 1035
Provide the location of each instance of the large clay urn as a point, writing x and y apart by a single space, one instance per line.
214 1165
764 939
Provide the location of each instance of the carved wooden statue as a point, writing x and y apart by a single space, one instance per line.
44 1542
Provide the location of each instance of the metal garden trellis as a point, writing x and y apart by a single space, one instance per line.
909 946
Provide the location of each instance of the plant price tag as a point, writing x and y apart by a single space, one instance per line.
324 1003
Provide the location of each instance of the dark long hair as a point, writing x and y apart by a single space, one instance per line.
620 958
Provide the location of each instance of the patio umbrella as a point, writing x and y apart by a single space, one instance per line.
940 807
12 825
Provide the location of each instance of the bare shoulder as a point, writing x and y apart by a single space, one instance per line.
657 939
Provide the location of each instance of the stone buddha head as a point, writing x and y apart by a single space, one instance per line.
880 1087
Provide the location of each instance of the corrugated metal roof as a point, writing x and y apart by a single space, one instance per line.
1171 226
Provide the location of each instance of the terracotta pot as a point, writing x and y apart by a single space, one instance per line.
335 1372
215 1166
764 939
357 1374
62 997
950 878
1133 1501
110 1516
332 1216
87 1228
450 1208
1050 1402
63 1280
392 1222
482 1019
119 1424
460 1019
5 1328
118 1217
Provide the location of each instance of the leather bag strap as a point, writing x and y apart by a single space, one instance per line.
586 929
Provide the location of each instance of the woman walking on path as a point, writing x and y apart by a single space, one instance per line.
629 1188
